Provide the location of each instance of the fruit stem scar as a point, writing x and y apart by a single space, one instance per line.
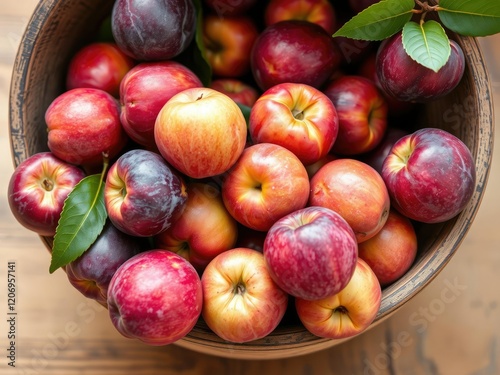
48 184
298 114
200 97
340 309
239 288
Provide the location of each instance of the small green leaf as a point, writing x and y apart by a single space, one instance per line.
245 110
82 220
427 44
470 17
379 21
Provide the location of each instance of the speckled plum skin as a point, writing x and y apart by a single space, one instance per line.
153 30
91 273
430 175
404 79
294 51
143 194
155 297
311 253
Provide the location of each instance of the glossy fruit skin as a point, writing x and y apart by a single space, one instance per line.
404 79
274 57
311 253
37 190
153 30
155 297
241 92
430 175
143 194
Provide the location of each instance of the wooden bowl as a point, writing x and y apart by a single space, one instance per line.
59 27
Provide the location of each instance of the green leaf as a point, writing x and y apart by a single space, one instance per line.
379 21
427 44
470 17
245 110
82 220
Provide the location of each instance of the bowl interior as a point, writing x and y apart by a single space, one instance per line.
59 27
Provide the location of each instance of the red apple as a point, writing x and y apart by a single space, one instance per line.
83 124
298 117
403 78
266 183
37 190
155 297
201 132
362 112
347 313
145 90
228 42
294 51
143 195
204 230
311 253
430 175
229 8
100 66
392 251
237 90
354 190
320 12
241 302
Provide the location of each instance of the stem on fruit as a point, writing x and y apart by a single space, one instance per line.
239 289
48 184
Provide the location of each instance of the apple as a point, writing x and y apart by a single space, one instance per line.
204 229
403 78
201 132
347 313
320 12
298 117
37 190
91 273
354 190
362 113
155 297
151 30
430 175
237 90
144 91
294 51
392 251
142 194
98 65
266 183
228 43
83 124
229 8
311 253
241 302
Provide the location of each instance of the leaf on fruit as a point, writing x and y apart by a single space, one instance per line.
82 220
379 21
470 17
246 111
427 44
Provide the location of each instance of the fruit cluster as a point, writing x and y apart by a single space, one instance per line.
290 180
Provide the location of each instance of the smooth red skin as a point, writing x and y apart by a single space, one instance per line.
155 297
91 273
228 43
311 253
354 190
229 8
430 175
143 194
392 251
26 191
320 12
83 124
272 120
100 66
237 90
144 91
151 30
266 183
274 57
362 112
404 79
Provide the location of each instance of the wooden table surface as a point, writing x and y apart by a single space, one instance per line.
451 328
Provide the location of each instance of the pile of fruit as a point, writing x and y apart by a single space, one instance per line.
232 161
